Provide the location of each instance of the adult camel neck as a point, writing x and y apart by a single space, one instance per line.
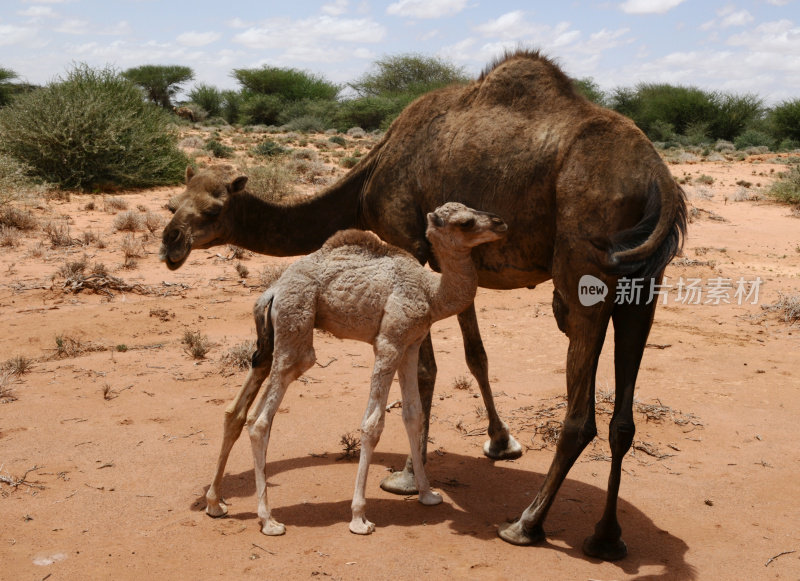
292 228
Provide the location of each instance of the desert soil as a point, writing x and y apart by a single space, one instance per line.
108 443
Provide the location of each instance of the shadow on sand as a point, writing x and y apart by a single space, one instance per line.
480 496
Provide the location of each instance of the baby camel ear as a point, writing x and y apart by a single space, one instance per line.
189 173
237 185
435 219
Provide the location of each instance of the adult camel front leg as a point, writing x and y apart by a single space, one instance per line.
631 327
586 329
501 444
403 481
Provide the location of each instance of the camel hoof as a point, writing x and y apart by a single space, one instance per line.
430 498
216 509
400 482
361 526
514 533
604 549
273 528
509 451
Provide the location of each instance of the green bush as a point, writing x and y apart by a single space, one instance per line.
219 149
785 120
306 124
209 98
370 112
160 83
288 84
269 148
257 109
753 138
92 129
231 106
787 188
6 87
321 110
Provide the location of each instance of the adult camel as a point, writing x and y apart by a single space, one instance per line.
583 192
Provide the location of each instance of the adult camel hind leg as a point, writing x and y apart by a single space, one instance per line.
632 324
586 328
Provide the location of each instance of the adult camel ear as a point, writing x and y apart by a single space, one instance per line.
189 173
237 185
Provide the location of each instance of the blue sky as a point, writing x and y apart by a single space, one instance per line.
739 46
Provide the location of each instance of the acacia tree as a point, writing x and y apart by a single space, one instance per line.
160 83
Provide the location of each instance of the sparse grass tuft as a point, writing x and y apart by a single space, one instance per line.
462 382
9 236
197 344
242 270
67 346
131 250
18 365
7 394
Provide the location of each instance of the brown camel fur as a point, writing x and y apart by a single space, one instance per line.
583 191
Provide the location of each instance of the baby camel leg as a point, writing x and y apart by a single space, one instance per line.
413 420
235 416
386 359
259 423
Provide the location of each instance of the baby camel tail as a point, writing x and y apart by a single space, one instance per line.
356 287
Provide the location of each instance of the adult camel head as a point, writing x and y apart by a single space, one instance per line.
199 215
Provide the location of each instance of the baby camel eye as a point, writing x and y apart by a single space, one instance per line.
467 224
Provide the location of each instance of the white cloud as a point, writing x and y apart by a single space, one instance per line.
37 12
649 6
311 33
73 26
198 38
778 2
739 18
780 37
426 8
12 35
238 23
336 7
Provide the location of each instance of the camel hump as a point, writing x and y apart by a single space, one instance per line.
364 240
524 80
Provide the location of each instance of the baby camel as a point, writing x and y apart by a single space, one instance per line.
356 287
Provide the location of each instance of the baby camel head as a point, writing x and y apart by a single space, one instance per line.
455 227
199 219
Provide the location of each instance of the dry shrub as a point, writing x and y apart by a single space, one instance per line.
131 250
129 221
242 270
270 273
197 344
7 394
153 221
113 205
351 445
58 232
15 218
787 306
9 236
238 357
68 346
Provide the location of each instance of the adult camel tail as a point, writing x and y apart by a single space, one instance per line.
645 250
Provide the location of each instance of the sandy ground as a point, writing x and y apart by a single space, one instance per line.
108 443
